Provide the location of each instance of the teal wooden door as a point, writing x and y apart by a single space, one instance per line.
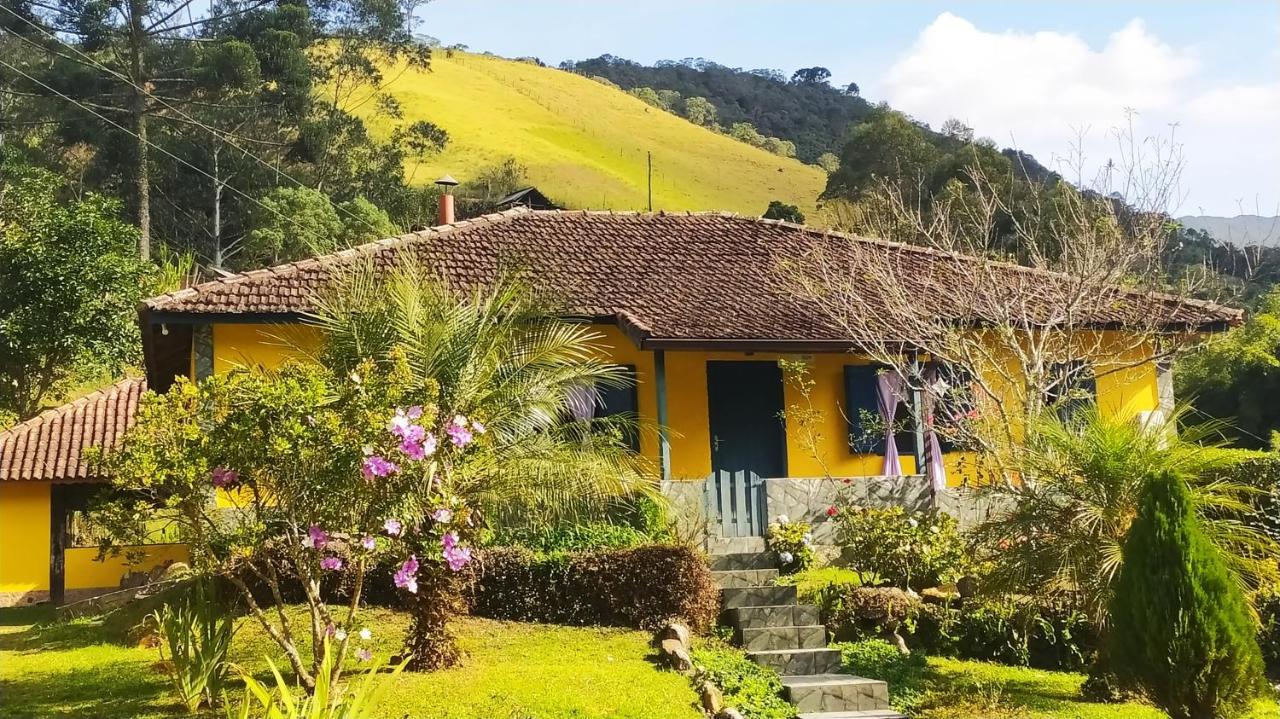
748 442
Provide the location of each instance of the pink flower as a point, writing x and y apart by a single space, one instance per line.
831 511
477 427
457 557
316 538
393 527
442 515
414 412
369 543
364 655
375 466
329 629
405 577
223 477
331 563
399 423
458 432
419 448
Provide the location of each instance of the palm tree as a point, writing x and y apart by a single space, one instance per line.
1064 524
498 352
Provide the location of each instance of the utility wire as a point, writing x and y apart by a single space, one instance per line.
129 132
221 136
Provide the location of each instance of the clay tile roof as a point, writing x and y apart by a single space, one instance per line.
675 278
48 447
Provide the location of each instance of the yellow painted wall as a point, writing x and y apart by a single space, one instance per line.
1122 389
24 536
264 345
84 571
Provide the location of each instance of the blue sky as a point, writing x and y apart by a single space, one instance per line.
1039 75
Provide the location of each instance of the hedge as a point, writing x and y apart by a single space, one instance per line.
640 587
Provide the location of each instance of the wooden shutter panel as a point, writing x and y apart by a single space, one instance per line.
859 397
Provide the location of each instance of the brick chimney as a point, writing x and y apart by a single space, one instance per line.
446 216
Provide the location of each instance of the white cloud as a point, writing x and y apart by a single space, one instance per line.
1039 90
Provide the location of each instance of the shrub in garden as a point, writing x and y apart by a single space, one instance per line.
633 522
853 613
900 548
1018 632
1180 627
750 688
793 542
1083 479
195 631
641 587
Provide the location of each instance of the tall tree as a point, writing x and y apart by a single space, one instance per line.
70 281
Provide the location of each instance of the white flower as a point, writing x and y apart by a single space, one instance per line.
808 538
355 378
913 523
340 635
786 557
782 519
308 542
365 634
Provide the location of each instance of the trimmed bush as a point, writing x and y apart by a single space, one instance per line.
855 613
1181 630
640 587
748 687
793 541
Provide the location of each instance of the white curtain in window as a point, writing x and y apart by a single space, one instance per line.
889 387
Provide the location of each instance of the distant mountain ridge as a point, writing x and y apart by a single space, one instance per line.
1241 230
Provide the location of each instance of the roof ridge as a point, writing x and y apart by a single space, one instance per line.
353 251
80 401
1007 264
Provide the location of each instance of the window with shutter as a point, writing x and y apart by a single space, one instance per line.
861 401
1075 387
613 401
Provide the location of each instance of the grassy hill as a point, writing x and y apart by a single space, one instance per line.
584 143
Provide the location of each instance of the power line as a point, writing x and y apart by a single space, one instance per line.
129 132
224 137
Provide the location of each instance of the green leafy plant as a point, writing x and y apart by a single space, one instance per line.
195 630
793 543
1181 630
878 659
754 690
328 700
900 548
1064 525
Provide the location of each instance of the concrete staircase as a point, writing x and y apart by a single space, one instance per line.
778 632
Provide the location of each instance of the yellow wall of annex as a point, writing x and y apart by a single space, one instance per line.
264 345
24 536
84 571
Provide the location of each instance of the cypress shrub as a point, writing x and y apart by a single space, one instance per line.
1180 629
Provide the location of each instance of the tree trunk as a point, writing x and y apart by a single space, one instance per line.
218 258
142 173
430 644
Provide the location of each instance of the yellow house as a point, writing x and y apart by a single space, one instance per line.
688 302
44 483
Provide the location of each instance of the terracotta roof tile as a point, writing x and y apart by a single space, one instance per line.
49 446
675 277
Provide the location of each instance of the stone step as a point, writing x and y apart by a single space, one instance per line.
735 545
787 615
744 578
868 714
792 662
743 560
813 636
756 596
829 692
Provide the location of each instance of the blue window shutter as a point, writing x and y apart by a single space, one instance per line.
859 397
621 400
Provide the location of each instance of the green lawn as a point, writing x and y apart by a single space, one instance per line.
960 689
511 671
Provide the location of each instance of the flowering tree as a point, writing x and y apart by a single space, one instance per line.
425 417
